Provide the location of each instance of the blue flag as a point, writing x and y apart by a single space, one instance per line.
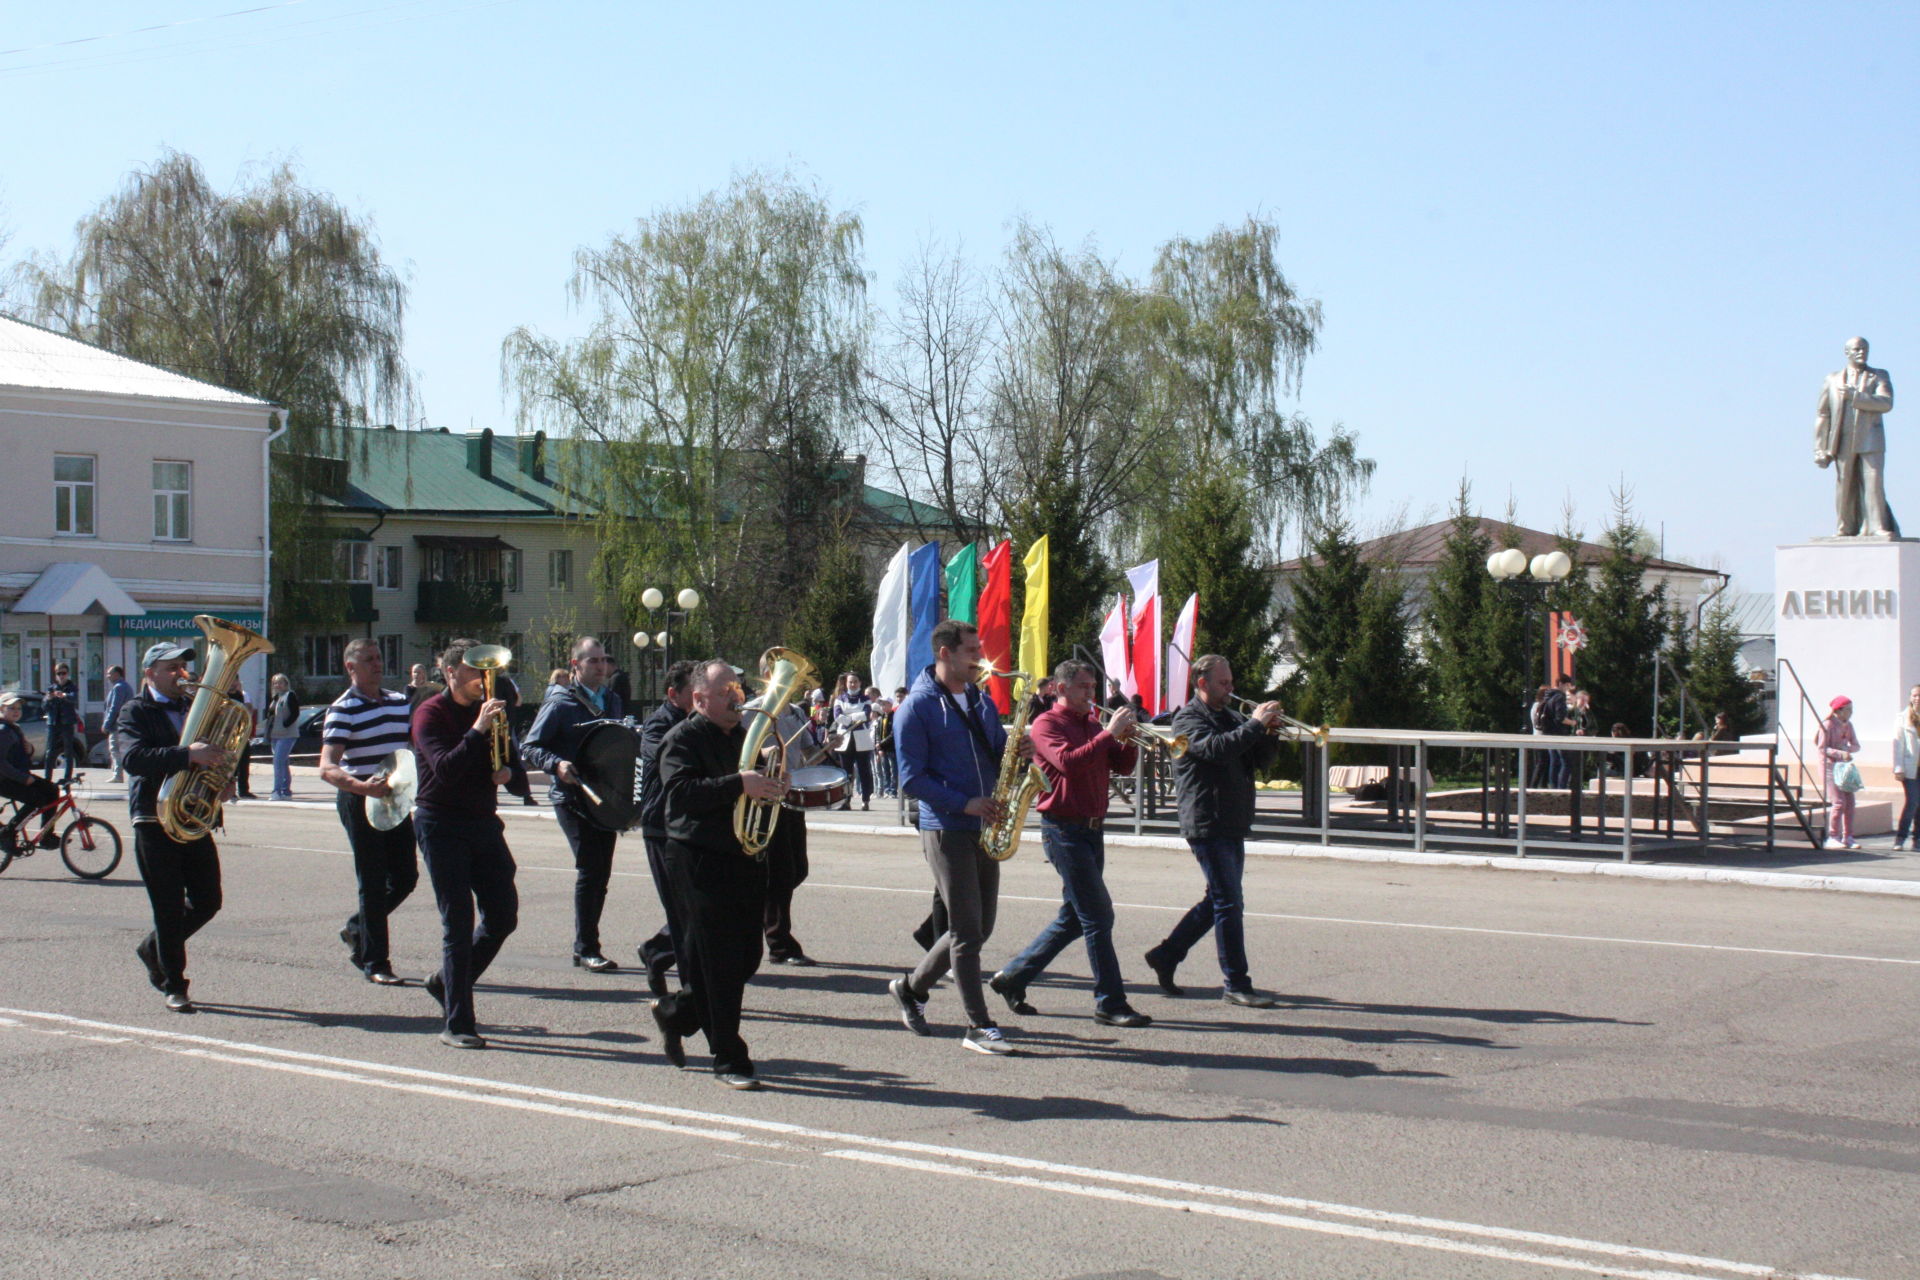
925 575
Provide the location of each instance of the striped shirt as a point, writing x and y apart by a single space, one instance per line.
370 729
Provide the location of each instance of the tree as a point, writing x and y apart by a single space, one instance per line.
273 290
1474 638
1207 546
1351 636
833 626
1715 682
1626 625
715 385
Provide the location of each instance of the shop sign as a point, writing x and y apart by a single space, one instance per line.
164 624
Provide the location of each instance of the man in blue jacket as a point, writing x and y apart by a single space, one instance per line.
551 745
948 739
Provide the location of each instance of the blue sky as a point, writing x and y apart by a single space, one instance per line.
1558 250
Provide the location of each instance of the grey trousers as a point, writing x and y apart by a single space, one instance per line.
969 882
1860 496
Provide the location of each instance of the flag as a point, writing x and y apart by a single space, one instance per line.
963 584
1180 653
1033 615
1145 580
1113 647
923 605
889 659
996 620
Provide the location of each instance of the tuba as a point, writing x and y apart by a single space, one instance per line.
1018 785
189 802
790 676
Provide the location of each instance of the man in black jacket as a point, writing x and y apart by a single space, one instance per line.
1215 778
721 892
660 952
552 744
182 878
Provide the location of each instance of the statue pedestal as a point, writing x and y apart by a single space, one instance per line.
1847 616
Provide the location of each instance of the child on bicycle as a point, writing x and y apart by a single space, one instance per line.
16 765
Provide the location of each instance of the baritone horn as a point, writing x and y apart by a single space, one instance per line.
189 802
493 659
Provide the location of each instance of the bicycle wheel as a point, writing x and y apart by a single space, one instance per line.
90 847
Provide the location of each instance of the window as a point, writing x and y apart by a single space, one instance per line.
390 654
510 569
326 655
73 494
387 563
352 561
172 501
560 570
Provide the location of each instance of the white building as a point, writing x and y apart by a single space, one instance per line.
131 499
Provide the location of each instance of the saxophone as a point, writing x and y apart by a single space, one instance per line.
189 802
1018 785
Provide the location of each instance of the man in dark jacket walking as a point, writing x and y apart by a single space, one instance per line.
553 744
661 952
1215 779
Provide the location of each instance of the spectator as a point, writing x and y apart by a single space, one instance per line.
1838 744
853 723
118 693
1906 767
283 729
63 718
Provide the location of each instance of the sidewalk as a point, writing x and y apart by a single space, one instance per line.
1874 868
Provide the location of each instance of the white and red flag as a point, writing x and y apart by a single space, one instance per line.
1145 580
1180 653
1113 648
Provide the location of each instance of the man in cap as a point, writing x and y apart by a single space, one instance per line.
182 877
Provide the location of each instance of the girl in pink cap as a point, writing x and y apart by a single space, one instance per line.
1837 742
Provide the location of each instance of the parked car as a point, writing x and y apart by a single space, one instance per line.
33 723
307 743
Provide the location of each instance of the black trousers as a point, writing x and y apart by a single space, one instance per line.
183 887
470 866
722 896
387 871
662 950
859 767
593 867
34 793
63 741
786 871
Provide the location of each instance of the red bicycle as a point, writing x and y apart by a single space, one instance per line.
89 846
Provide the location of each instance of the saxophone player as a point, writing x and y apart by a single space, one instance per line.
182 877
949 742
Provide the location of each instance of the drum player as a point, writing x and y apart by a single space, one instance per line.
553 744
363 726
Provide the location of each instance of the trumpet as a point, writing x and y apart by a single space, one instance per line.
1152 737
491 659
1289 726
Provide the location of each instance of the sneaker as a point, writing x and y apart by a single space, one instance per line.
985 1040
1851 844
1835 844
1899 846
913 1012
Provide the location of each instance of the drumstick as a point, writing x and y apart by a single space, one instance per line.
591 795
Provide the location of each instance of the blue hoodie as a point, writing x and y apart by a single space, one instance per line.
941 763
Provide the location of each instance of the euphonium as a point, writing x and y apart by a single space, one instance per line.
189 802
493 659
790 675
1019 784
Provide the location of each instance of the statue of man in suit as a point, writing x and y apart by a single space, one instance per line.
1847 431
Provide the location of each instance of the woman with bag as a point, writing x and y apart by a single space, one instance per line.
1838 743
1906 767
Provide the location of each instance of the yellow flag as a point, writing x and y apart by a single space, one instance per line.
1033 617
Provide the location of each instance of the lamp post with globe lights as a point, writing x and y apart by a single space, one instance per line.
669 617
1533 578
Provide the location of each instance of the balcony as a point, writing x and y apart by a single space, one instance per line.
461 604
360 603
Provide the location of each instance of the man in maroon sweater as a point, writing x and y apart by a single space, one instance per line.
461 839
1077 755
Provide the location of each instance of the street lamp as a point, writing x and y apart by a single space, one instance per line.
1541 573
654 601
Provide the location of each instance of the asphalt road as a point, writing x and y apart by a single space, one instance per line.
1470 1074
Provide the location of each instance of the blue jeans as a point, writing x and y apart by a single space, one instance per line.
1079 854
1221 860
1907 811
283 766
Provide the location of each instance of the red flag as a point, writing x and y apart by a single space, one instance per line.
996 620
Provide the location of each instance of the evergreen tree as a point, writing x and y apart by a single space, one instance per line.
1206 545
833 625
1324 620
1715 682
1385 680
1626 626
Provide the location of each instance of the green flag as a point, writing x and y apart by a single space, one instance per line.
963 584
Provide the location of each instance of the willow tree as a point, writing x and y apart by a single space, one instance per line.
273 290
702 414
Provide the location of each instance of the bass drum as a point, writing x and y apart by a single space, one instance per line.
818 786
608 762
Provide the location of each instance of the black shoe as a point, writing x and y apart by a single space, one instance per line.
528 800
798 959
913 1010
1248 999
657 967
595 964
149 953
248 795
462 1040
737 1079
178 1002
384 976
924 937
669 1039
1164 976
1016 997
1122 1018
437 988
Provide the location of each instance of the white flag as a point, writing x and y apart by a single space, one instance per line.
1113 649
1180 652
890 626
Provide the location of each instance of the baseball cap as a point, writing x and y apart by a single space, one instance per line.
1842 701
165 651
11 696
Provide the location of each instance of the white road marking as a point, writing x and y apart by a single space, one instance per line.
922 892
714 1126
